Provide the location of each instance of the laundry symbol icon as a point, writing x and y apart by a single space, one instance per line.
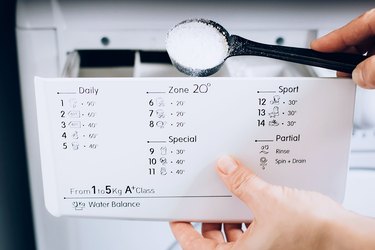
160 113
163 160
160 124
160 102
275 100
263 162
163 150
274 113
163 171
264 149
273 123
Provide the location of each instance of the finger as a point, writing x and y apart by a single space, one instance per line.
213 231
225 246
185 234
243 183
357 31
233 231
364 73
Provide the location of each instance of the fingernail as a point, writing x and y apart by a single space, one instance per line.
226 164
357 75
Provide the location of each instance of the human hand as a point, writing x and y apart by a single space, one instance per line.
358 36
283 218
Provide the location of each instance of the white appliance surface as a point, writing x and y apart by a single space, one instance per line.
47 30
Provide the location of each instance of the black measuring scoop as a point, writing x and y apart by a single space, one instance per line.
239 46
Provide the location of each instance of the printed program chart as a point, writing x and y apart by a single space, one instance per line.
145 148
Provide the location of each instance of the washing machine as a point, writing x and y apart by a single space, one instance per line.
127 39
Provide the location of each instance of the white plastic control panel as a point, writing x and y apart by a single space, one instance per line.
145 148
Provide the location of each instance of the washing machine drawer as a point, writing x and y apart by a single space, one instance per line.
145 148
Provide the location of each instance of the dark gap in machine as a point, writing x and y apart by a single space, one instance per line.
106 58
154 57
120 58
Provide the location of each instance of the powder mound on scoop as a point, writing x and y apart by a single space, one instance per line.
196 45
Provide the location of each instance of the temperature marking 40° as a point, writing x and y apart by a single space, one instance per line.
92 124
180 161
91 114
180 171
93 135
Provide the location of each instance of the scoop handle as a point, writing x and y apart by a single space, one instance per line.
343 62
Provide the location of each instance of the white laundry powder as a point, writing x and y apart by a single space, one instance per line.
196 45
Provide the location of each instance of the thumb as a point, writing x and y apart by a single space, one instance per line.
243 183
364 73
